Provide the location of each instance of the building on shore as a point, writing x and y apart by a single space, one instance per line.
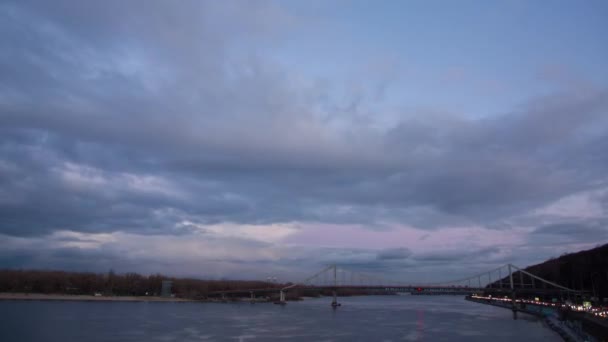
166 288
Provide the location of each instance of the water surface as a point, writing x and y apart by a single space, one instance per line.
376 318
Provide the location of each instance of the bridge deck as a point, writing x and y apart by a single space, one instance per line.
395 288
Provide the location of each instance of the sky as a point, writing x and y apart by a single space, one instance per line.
417 140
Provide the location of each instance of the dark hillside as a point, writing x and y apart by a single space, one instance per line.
585 270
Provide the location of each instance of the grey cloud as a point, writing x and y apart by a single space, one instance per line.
603 200
257 129
456 255
183 97
250 150
572 232
394 254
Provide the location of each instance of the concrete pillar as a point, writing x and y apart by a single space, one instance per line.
513 302
335 276
282 296
334 302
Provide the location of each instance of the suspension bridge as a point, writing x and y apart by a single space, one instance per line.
507 281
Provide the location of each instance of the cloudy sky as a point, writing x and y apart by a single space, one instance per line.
247 139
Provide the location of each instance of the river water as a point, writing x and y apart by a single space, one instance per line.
375 318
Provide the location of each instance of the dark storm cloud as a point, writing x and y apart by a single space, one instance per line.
572 232
147 123
394 254
456 255
490 166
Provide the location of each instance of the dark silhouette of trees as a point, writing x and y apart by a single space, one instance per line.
128 284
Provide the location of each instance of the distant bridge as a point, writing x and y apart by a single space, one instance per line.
507 280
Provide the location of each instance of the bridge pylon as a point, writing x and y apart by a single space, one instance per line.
513 299
281 300
334 292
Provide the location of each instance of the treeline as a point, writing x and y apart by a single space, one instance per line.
128 284
585 270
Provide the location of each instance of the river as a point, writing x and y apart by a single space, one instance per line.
374 318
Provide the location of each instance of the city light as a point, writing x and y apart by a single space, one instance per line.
586 307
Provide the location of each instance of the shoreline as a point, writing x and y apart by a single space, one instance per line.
89 298
549 321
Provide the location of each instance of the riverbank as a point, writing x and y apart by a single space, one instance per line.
89 298
550 320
